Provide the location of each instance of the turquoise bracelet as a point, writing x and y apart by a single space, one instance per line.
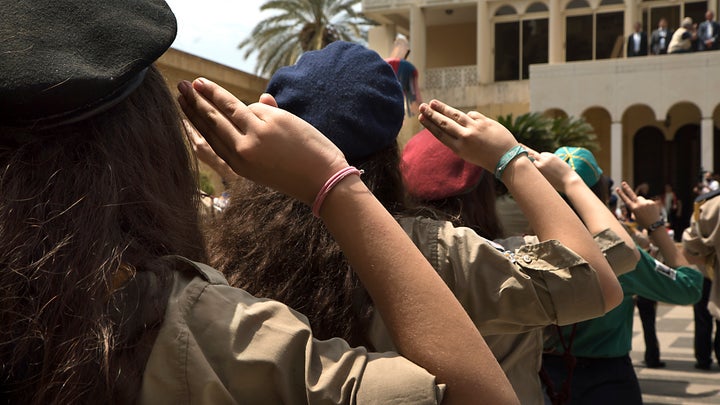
507 157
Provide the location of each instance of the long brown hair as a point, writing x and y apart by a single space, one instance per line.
87 212
271 246
474 209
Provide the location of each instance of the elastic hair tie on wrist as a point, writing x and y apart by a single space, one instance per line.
508 157
329 184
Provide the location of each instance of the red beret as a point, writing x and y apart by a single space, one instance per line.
431 171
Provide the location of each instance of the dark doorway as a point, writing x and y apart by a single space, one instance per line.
650 150
677 162
686 167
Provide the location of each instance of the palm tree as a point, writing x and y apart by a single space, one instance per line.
300 26
545 134
531 129
572 131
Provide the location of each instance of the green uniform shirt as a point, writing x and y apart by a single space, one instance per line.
611 335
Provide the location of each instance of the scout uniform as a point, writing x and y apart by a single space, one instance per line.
511 290
601 346
220 345
701 239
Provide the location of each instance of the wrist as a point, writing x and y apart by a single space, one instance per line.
332 183
656 225
508 158
570 183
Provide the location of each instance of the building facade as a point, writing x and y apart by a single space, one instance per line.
656 117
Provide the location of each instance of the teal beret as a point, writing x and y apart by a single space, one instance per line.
65 60
582 161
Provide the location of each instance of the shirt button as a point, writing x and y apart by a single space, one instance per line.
527 258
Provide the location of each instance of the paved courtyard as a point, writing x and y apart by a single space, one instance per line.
679 382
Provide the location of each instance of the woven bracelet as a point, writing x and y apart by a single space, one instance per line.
656 225
508 157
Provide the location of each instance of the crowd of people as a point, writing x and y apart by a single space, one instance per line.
347 270
688 37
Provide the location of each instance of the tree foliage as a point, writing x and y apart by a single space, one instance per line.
297 26
545 134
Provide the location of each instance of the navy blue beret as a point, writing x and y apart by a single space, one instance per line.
346 91
65 60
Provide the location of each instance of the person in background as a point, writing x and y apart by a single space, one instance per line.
683 38
700 244
660 38
450 188
407 73
637 43
505 290
708 32
589 363
104 295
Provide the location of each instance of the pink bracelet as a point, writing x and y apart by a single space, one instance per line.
332 181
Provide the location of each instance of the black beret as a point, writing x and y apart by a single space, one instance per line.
346 91
65 60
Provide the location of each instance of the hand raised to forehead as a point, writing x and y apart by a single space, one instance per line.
646 211
472 136
261 142
555 170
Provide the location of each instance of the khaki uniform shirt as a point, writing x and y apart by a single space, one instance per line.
512 290
220 345
702 238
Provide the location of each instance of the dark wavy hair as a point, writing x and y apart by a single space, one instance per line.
474 209
88 211
272 246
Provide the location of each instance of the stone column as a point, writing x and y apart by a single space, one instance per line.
556 36
707 143
418 42
631 17
616 152
484 46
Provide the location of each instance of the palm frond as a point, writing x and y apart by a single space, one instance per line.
300 25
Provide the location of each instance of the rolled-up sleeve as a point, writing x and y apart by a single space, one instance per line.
620 256
509 291
221 345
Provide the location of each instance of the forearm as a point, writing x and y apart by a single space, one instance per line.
594 213
672 256
551 218
426 322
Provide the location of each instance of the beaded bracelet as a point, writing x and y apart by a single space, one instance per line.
508 157
656 225
329 184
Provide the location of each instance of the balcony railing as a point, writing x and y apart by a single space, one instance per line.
371 4
456 76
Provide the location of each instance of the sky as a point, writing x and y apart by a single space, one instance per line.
212 29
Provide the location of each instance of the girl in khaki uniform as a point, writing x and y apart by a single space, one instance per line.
274 248
437 177
103 298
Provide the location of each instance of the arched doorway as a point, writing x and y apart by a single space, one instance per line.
685 166
676 162
650 151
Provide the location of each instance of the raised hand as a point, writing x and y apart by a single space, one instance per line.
646 211
472 136
555 170
206 154
261 142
